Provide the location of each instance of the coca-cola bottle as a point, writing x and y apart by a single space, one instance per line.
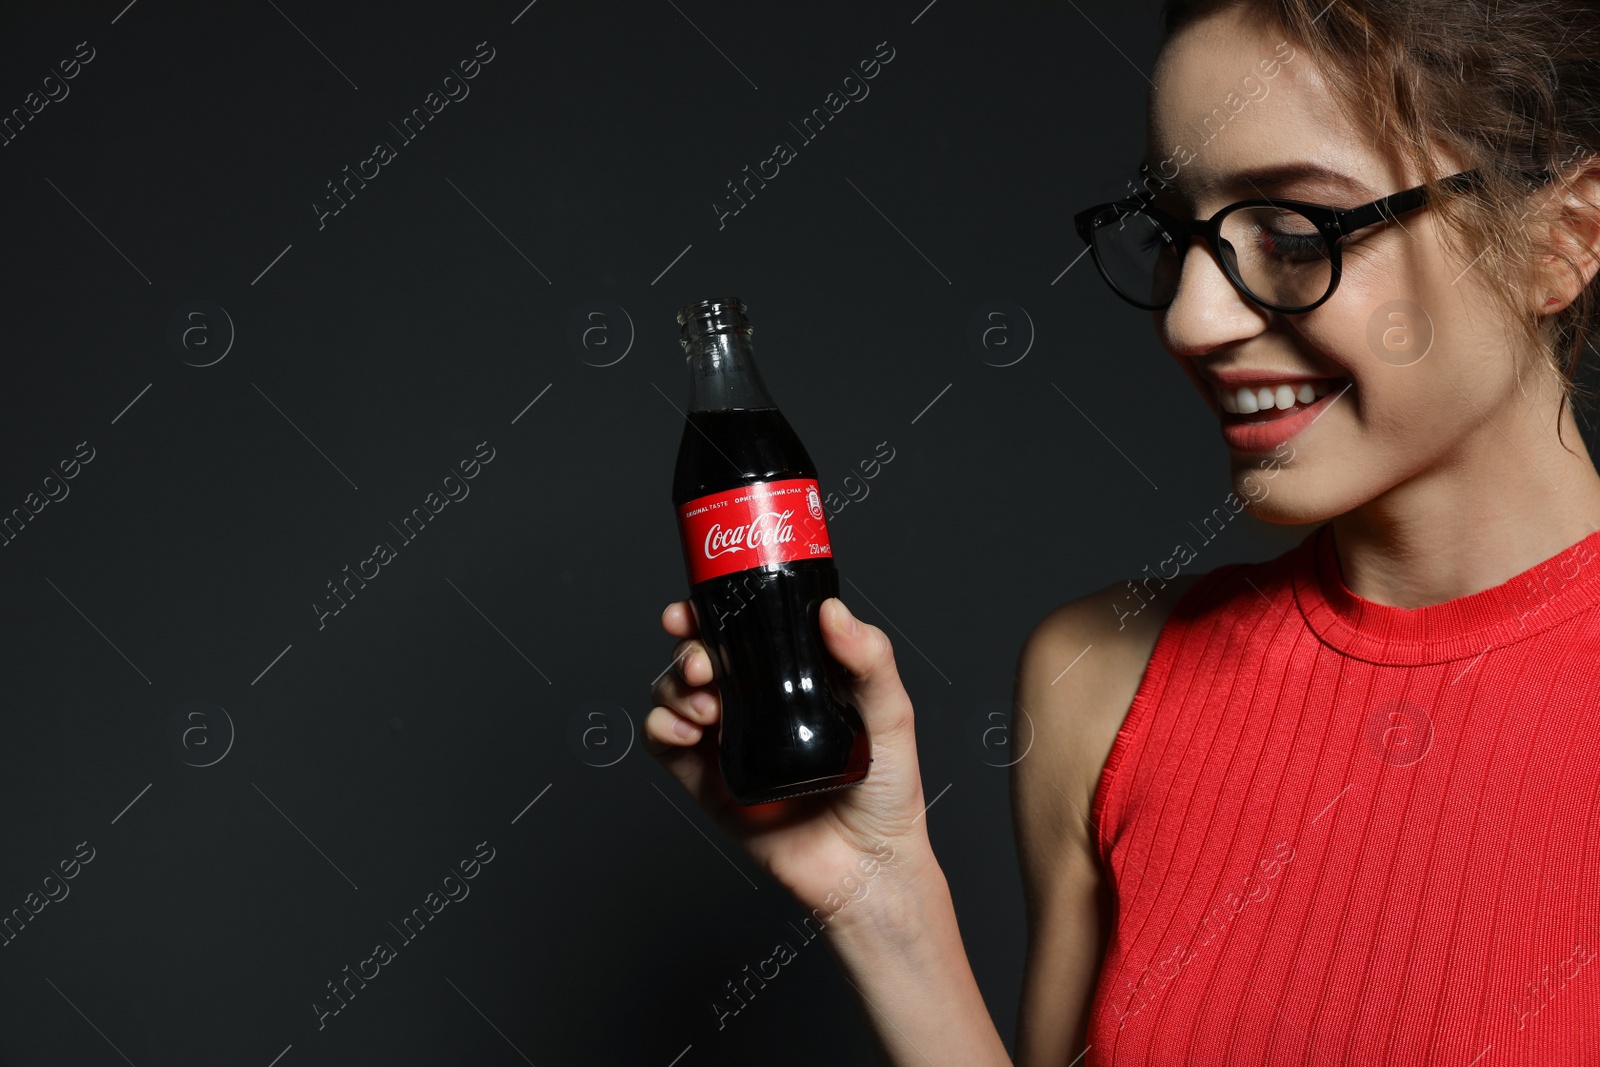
760 564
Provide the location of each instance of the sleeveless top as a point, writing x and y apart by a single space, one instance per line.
1340 832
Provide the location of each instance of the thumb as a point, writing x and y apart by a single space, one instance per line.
865 652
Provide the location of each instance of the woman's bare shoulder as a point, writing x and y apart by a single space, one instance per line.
1076 678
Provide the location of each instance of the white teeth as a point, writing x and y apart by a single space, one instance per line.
1249 399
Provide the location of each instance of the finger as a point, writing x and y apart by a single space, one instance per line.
678 619
684 759
695 703
670 730
866 653
694 663
699 674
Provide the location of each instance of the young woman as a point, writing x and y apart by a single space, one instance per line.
1342 806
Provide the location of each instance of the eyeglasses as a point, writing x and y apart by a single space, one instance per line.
1282 254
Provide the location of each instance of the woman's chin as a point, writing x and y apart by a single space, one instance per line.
1282 503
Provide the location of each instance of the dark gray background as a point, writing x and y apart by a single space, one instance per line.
377 351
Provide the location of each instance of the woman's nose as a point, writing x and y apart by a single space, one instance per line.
1207 311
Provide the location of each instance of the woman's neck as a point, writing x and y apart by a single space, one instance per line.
1510 498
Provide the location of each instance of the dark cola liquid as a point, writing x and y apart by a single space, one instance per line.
787 724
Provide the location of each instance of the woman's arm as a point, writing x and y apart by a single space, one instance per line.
1076 679
903 954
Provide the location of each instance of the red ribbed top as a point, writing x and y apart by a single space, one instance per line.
1346 833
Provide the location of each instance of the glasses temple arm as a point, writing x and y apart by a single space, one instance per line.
1352 219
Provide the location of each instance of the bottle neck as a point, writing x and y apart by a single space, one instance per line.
723 375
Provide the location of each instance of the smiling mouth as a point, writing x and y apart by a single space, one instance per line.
1254 404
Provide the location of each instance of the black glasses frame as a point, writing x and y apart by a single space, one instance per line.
1334 224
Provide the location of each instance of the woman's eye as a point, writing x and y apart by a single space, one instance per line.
1286 245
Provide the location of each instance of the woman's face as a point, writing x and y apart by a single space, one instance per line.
1415 364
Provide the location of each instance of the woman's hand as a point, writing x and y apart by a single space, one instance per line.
857 857
826 848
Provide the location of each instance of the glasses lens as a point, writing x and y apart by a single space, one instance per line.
1279 255
1137 255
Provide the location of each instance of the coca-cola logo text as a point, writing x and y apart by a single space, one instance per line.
768 528
763 524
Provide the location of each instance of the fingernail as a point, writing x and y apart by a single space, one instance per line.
684 728
850 625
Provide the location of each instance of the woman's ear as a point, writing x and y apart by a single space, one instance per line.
1570 254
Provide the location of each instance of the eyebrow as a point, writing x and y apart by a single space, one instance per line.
1275 174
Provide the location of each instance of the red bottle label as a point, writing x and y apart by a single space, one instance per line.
753 525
